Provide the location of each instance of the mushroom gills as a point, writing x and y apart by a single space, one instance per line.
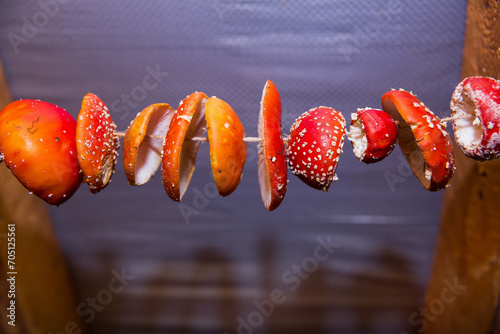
107 169
263 173
467 125
409 146
189 148
357 136
150 149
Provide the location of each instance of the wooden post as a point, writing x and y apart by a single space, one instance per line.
464 288
45 300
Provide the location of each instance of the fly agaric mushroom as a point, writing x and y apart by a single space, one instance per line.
272 168
373 134
227 146
475 110
314 146
96 143
37 142
179 150
422 138
143 142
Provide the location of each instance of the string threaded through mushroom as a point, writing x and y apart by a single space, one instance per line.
247 139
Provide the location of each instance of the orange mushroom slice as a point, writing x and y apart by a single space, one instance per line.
179 150
227 146
143 143
422 138
272 163
96 143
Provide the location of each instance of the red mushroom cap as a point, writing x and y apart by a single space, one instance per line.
422 138
314 146
179 151
96 143
37 142
373 134
475 105
272 163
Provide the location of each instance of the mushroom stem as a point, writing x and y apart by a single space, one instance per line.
452 118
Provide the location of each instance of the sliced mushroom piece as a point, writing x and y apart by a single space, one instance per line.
143 142
373 134
180 150
422 138
272 163
227 146
475 109
96 143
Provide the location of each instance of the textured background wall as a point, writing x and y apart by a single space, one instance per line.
208 270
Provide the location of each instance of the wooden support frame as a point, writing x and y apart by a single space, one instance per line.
45 299
463 293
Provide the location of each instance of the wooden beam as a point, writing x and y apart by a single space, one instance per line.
465 283
45 299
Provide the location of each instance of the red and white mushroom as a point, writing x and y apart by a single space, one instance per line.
314 146
475 110
37 143
96 142
49 152
422 138
373 134
272 163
